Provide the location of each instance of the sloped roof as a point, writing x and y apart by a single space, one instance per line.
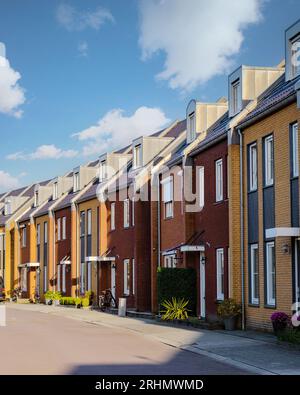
44 208
176 130
66 202
278 92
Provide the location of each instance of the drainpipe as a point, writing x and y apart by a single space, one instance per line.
51 214
242 228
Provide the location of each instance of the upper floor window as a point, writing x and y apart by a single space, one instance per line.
295 151
168 192
269 160
137 156
192 126
45 232
82 223
58 229
253 167
201 186
102 171
113 216
126 213
295 56
127 277
235 88
89 222
7 208
64 231
24 236
76 182
38 234
219 180
55 191
132 212
36 198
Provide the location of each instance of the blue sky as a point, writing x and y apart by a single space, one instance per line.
94 74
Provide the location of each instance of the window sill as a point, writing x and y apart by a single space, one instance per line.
271 307
255 305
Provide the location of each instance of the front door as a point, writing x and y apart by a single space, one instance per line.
113 280
202 285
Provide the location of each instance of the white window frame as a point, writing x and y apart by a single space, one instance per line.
113 216
170 261
126 209
235 87
89 222
63 277
253 167
168 197
24 236
76 182
201 186
59 278
137 156
133 276
270 273
102 171
219 180
295 150
220 273
269 160
192 126
45 274
254 274
89 276
82 277
132 212
7 208
58 229
38 234
126 267
45 232
295 42
55 191
64 228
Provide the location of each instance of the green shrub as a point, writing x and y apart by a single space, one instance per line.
229 308
291 335
78 302
175 309
67 301
179 284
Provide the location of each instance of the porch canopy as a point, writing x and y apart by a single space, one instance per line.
65 261
29 264
282 232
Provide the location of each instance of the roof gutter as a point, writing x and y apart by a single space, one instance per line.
208 145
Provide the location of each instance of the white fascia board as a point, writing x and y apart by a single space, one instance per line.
282 232
188 248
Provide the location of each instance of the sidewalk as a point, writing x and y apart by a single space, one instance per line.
255 352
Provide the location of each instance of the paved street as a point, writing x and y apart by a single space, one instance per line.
38 343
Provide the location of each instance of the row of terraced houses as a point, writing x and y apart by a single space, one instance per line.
217 191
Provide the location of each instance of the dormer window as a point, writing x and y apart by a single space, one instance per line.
36 198
55 191
235 87
137 156
192 126
7 208
102 171
295 56
76 182
292 51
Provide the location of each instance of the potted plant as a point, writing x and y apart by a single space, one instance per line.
280 321
48 297
229 311
56 298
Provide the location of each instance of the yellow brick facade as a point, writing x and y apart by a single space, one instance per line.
278 124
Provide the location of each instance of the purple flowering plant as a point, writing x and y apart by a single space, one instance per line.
280 317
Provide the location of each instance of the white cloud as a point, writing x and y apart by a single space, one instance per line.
83 48
198 38
73 20
116 130
12 95
8 181
44 152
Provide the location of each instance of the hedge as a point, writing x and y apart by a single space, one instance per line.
177 283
